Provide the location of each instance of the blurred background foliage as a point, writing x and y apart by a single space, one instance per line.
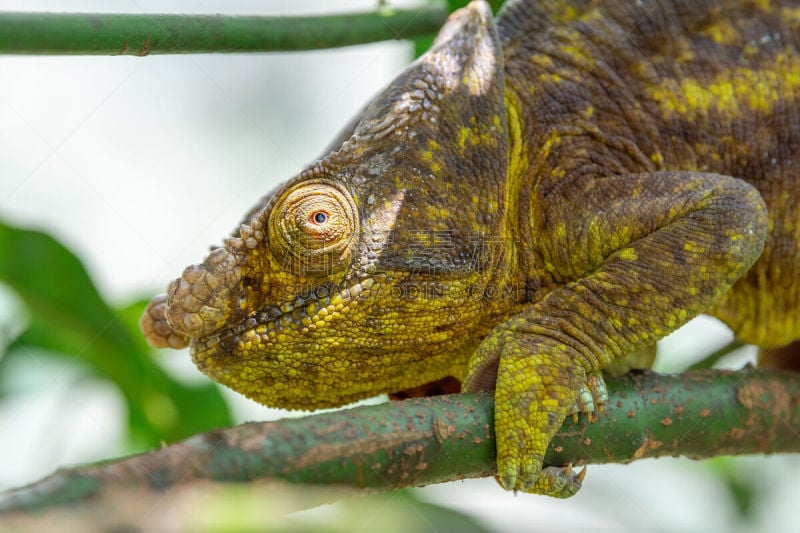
68 319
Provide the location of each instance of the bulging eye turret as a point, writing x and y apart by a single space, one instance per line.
313 228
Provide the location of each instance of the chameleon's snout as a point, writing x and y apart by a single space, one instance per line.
202 301
155 328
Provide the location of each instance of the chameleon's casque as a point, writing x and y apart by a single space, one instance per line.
529 202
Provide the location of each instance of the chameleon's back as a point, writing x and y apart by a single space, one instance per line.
709 86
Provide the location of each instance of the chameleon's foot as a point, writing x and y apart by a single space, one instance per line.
555 481
559 482
534 393
591 397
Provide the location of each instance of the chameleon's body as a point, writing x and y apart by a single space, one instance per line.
527 203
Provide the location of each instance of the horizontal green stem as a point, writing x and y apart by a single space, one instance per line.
115 34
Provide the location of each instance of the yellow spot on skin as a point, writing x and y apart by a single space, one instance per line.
731 90
568 14
552 140
478 134
722 31
463 134
429 156
542 60
574 52
657 158
629 254
517 160
750 50
555 78
791 13
588 112
686 54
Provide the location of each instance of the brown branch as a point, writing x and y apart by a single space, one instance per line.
432 440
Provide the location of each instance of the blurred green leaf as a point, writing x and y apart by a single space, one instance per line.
743 492
401 511
70 319
452 5
436 517
421 45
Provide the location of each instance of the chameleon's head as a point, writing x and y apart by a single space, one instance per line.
367 273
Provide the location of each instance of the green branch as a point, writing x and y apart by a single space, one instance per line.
113 34
433 440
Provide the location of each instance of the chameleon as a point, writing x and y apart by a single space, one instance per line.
529 202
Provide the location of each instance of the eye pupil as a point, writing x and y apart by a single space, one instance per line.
320 217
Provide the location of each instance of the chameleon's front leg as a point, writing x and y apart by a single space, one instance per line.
647 252
535 390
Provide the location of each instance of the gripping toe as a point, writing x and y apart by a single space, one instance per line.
591 397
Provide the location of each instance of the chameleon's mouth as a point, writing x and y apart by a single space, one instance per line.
306 316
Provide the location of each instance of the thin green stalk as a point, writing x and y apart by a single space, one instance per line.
710 360
141 35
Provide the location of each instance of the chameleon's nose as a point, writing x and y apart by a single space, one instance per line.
205 297
155 328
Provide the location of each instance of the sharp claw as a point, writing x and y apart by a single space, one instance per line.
508 481
575 417
586 401
568 469
582 474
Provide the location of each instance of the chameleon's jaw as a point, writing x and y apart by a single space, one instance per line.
286 356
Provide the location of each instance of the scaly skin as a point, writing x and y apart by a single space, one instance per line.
525 205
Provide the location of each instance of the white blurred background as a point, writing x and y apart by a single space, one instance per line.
138 164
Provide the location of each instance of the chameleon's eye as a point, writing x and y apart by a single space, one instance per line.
319 218
314 225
